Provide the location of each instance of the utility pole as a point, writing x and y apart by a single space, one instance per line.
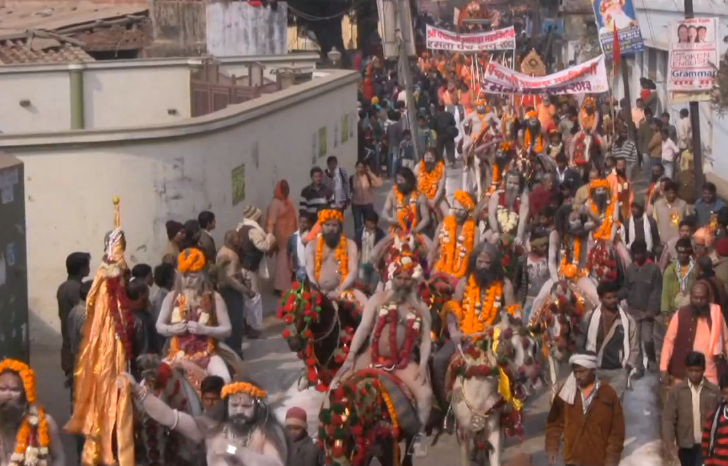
695 123
404 65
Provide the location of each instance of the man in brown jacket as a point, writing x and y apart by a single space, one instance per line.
583 397
687 407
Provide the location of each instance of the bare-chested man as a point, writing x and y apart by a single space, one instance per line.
602 207
508 209
455 238
400 306
470 311
28 434
532 136
240 430
430 177
567 257
194 315
331 260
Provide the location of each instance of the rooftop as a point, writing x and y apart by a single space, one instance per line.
39 50
17 19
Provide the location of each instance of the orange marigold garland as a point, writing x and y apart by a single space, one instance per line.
571 270
174 344
527 141
429 182
406 209
474 315
238 388
32 441
604 232
341 255
454 249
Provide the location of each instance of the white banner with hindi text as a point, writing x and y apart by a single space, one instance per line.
589 77
500 39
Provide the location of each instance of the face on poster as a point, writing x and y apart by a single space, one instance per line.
692 33
619 15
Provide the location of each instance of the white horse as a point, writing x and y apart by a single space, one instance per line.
477 402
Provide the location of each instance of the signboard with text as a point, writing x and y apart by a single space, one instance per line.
694 56
588 77
611 14
500 39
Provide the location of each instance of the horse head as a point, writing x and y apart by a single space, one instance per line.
303 309
558 319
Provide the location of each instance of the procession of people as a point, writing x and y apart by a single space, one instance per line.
514 256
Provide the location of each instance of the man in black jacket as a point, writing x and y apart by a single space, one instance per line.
447 131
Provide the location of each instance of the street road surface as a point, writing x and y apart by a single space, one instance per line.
271 364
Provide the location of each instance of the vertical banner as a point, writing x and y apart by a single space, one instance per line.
694 57
619 14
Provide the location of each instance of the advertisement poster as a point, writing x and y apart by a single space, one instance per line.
322 140
589 77
500 39
618 14
694 56
238 178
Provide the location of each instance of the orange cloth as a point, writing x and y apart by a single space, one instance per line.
283 223
102 412
705 342
466 100
367 89
626 198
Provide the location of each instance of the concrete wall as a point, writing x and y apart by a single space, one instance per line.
236 28
50 101
172 171
116 94
178 27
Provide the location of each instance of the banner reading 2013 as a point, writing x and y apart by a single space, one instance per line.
590 77
500 39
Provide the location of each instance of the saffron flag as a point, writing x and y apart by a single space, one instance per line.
616 54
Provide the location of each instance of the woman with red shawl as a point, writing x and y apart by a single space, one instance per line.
282 222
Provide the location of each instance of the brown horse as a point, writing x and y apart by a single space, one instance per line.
319 330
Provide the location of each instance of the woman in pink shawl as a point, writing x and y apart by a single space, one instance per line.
282 222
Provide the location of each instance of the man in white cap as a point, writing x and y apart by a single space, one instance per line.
598 442
254 244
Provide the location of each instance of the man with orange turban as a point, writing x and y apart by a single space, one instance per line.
194 317
35 433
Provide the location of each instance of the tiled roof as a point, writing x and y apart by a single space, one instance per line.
20 17
15 52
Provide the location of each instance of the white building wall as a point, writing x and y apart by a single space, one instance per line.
117 94
49 96
172 173
236 28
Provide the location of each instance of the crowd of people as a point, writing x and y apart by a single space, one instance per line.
546 211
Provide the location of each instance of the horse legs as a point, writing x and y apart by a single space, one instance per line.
495 438
466 442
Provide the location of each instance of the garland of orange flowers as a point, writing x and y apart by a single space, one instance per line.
406 210
242 387
572 270
469 320
174 348
587 120
31 448
341 255
429 182
527 141
605 229
454 249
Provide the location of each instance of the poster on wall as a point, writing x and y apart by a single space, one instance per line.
619 14
442 39
238 178
590 77
336 135
255 154
694 57
345 129
322 147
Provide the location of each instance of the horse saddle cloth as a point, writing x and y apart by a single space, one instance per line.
404 403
